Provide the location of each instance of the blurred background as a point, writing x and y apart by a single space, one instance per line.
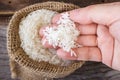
89 71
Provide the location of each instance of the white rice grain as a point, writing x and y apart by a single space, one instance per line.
30 39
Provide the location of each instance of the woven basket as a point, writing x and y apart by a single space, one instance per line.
21 65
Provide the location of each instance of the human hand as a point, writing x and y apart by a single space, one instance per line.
99 26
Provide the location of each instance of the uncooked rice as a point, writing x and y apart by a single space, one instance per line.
64 35
31 41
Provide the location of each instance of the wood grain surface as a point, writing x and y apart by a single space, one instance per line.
89 71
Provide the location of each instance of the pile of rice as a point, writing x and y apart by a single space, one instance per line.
31 41
64 35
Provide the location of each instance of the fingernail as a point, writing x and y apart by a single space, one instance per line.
41 31
55 18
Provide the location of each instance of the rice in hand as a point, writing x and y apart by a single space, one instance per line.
31 41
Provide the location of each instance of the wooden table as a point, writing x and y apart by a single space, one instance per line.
90 71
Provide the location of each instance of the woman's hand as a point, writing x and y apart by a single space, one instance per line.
99 26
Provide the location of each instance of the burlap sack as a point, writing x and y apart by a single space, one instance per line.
21 65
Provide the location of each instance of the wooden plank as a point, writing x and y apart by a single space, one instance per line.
5 19
4 60
8 7
111 1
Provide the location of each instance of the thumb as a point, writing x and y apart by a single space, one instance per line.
104 14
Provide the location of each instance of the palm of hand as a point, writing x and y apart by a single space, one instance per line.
99 34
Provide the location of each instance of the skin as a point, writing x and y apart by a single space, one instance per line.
99 26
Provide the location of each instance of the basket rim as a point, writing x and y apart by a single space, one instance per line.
20 57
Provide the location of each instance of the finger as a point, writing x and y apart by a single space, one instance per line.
105 43
84 29
87 29
83 53
116 56
41 31
114 30
82 40
100 14
55 18
44 41
87 40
